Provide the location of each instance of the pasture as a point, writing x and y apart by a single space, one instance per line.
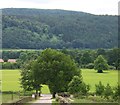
90 76
10 79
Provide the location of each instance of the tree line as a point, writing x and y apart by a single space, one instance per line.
84 58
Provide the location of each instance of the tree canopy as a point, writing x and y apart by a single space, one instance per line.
100 64
53 68
40 29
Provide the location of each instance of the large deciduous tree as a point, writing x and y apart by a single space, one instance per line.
100 64
57 68
53 68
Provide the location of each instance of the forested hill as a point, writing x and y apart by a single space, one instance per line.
39 29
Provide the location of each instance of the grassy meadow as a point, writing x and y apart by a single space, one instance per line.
90 76
10 79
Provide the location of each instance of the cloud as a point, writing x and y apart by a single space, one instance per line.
37 1
90 6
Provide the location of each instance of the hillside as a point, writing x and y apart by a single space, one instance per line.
39 29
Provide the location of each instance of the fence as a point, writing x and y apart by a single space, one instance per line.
10 97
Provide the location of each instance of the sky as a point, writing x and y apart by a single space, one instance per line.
99 7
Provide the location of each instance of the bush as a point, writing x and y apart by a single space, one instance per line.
112 67
83 66
84 89
116 95
108 91
77 87
99 89
9 65
90 66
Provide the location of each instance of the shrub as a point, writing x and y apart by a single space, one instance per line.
84 89
9 65
116 95
108 91
77 87
99 89
112 67
90 66
6 65
74 85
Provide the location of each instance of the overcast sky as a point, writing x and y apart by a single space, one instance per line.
91 6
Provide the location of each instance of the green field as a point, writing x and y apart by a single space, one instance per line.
10 79
92 77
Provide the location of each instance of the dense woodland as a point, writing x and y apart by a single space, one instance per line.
40 29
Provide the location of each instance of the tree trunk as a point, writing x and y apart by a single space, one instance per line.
36 91
100 71
53 95
36 94
39 94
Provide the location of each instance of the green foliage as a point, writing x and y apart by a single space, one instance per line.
113 56
52 68
100 64
27 56
108 91
77 86
56 69
86 58
116 94
85 88
39 29
27 81
101 51
9 65
11 54
99 89
5 59
90 66
117 63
